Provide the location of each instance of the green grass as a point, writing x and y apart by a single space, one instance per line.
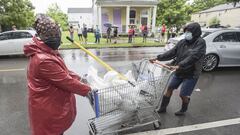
103 42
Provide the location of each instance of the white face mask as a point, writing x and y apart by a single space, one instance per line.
188 36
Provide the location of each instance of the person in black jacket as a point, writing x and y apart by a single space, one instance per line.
187 57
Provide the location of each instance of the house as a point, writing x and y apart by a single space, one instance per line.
124 12
226 13
80 16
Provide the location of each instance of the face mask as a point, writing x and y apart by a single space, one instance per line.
188 36
53 43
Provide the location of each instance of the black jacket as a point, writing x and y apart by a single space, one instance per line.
188 55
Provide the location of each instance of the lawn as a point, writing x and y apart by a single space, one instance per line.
103 43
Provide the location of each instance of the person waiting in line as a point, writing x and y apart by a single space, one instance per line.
80 35
97 35
14 28
71 32
131 32
51 85
188 56
85 34
145 33
115 34
109 30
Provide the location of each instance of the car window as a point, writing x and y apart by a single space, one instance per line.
20 35
6 36
238 35
226 37
3 37
204 34
25 35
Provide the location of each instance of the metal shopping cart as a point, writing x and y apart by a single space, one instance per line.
124 108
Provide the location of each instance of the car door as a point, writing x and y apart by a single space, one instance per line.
7 43
21 38
228 48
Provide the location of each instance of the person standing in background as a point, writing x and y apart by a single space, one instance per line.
79 30
115 34
164 29
97 35
109 30
85 34
71 32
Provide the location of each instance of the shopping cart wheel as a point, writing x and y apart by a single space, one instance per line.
157 125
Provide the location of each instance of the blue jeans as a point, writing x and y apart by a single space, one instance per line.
187 84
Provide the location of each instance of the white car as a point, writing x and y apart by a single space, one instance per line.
223 48
12 42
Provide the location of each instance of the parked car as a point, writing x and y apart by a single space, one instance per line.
12 42
223 48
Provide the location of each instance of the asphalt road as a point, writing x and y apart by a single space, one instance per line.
217 100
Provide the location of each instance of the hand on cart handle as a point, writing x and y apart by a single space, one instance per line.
152 60
155 61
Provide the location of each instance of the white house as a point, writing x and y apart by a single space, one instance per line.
226 13
124 12
80 16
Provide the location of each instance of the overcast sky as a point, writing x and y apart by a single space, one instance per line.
41 6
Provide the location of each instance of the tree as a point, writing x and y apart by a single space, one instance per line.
199 5
214 21
16 12
58 15
173 12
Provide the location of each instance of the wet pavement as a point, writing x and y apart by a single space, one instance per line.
218 98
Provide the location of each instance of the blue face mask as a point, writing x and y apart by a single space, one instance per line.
188 36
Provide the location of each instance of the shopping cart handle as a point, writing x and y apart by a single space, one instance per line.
163 65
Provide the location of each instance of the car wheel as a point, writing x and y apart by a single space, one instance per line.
210 62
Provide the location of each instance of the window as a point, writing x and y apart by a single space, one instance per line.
25 35
6 36
204 34
3 37
226 37
132 16
238 35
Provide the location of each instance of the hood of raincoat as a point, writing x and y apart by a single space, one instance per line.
195 29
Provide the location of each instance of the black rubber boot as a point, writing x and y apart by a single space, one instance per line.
164 104
184 108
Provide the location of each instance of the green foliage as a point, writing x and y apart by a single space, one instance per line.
16 12
173 12
58 15
199 5
214 21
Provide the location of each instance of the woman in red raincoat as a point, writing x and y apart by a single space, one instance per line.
51 86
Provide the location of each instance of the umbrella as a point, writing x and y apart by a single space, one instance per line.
107 24
114 26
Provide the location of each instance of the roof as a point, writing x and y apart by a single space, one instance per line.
127 2
221 8
80 10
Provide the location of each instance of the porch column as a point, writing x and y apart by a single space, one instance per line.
127 17
149 17
154 18
100 18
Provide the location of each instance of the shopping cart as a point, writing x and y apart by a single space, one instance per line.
123 108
